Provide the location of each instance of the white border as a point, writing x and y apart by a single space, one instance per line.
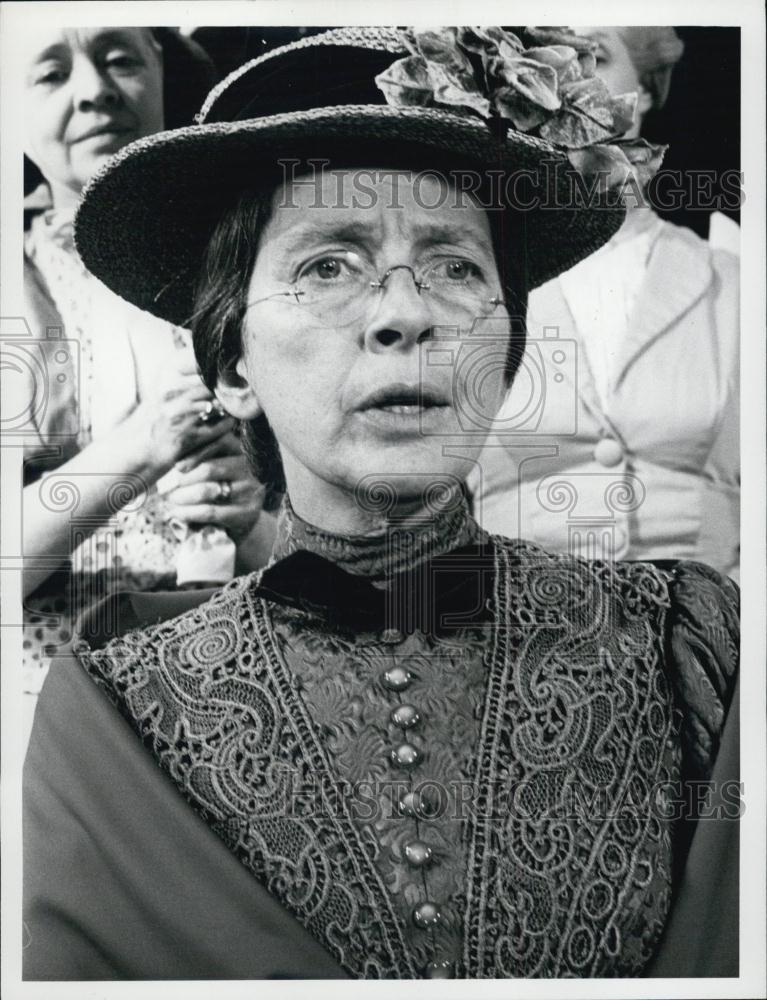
17 17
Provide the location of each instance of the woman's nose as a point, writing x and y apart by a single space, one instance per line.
93 88
402 316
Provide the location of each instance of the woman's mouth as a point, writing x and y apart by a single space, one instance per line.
399 408
403 408
105 132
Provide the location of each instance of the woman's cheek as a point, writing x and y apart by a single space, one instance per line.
148 104
46 142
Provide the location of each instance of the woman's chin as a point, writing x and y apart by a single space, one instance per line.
410 470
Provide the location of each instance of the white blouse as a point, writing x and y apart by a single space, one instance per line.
620 436
601 292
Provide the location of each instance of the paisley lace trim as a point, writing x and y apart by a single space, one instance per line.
576 705
212 699
381 948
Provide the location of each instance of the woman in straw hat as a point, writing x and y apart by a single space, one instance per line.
407 748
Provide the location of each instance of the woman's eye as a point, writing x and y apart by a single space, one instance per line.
122 61
330 269
53 75
457 270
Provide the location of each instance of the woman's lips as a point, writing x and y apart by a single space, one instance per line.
404 409
106 132
404 394
399 420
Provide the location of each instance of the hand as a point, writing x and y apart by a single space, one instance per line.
193 494
165 426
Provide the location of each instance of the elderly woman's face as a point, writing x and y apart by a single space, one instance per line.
89 92
354 379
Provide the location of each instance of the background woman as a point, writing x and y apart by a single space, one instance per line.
125 402
620 437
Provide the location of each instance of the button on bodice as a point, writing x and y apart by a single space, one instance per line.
405 755
426 915
397 678
418 853
405 716
439 970
420 804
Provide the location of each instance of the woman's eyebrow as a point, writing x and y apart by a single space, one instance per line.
113 37
311 230
456 234
54 51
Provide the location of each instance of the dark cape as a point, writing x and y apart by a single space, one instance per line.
123 880
171 901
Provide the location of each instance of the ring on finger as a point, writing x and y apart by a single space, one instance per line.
212 412
224 491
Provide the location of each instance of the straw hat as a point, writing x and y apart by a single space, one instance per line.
147 217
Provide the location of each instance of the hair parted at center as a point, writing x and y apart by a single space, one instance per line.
221 303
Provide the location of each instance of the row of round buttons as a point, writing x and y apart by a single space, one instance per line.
426 915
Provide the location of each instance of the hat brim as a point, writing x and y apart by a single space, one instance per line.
147 217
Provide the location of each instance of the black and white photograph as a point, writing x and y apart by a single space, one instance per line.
380 598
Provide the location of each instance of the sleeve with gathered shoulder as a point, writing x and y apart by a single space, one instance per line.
702 933
703 650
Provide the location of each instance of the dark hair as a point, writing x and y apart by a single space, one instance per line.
220 303
221 299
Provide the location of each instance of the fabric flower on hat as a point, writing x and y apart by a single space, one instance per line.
542 82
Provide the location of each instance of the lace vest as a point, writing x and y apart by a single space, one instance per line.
579 705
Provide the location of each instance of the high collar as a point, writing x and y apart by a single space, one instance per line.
399 546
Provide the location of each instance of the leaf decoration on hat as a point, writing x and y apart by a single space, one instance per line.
584 47
645 157
541 80
589 114
448 69
407 83
614 163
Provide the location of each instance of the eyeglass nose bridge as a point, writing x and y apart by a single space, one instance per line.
419 284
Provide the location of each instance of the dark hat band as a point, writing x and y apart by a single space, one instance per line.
311 77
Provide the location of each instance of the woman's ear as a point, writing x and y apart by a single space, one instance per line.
235 393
